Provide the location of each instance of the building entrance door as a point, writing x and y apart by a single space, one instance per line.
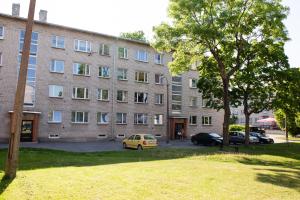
179 127
26 131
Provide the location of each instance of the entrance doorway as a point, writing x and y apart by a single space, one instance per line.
179 127
27 131
176 125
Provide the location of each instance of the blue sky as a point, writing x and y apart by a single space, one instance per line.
115 16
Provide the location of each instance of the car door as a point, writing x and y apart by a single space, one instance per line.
136 141
241 138
233 137
130 141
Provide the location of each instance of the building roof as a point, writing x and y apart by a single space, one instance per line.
73 29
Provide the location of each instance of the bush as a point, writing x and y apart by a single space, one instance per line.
236 127
292 121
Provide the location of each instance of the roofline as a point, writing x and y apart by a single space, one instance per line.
73 29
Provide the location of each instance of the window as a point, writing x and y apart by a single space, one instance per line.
55 91
158 58
122 96
0 58
141 77
80 93
33 45
79 117
159 79
121 118
141 55
193 101
122 74
158 119
54 116
102 95
57 66
140 97
205 103
104 50
123 52
81 69
176 94
159 98
193 83
102 118
1 32
206 120
82 45
58 42
140 118
104 72
193 120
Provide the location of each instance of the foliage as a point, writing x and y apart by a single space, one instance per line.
236 127
136 35
233 119
292 126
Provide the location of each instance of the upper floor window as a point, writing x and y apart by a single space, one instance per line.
193 120
102 118
121 118
81 69
82 45
104 72
159 79
123 52
55 91
140 118
141 55
206 103
141 77
158 119
102 95
159 98
58 42
140 97
122 96
1 32
79 117
104 50
57 66
206 120
54 116
80 93
158 58
193 101
122 74
34 42
193 83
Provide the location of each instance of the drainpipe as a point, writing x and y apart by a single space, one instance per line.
112 118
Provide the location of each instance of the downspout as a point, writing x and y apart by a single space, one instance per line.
112 118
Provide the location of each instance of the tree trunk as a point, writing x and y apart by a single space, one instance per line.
247 116
226 112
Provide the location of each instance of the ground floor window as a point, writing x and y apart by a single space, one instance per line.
158 119
79 117
121 118
102 118
55 116
193 120
206 120
140 118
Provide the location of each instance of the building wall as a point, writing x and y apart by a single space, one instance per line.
90 131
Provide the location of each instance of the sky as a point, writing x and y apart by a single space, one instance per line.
115 16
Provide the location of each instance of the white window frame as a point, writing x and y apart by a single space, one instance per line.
101 69
51 117
124 52
86 69
123 73
100 94
161 79
191 120
158 58
3 33
100 114
192 100
53 67
191 84
209 120
144 118
158 119
88 46
1 59
52 89
146 77
102 51
124 96
75 95
161 99
57 38
123 118
145 97
141 55
85 117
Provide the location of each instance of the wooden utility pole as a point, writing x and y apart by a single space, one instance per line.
14 140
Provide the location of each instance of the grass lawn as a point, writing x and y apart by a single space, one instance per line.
258 172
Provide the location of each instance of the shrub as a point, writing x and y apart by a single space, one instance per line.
236 127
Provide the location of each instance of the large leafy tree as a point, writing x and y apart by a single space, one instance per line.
219 36
136 35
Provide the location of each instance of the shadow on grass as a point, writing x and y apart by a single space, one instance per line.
4 183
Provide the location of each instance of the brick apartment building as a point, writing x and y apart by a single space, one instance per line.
85 86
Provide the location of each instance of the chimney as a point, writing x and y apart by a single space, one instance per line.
15 10
43 15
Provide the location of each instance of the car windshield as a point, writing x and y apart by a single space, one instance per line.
149 137
214 135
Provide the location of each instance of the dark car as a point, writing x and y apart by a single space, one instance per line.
257 130
262 138
238 137
207 139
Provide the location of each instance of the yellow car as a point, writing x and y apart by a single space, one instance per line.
140 141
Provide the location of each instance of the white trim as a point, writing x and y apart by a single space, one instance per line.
3 33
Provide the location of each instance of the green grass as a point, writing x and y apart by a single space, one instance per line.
257 172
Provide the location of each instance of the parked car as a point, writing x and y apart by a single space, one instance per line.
262 138
140 141
238 137
257 129
207 139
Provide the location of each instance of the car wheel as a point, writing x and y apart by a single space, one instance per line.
124 145
195 142
139 147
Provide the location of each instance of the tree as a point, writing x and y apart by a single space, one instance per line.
218 36
137 35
